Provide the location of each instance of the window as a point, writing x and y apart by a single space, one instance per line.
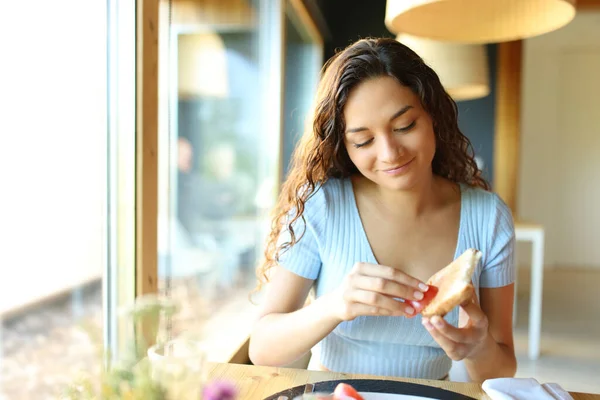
68 155
303 60
221 152
53 151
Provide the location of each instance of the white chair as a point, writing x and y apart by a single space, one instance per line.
534 233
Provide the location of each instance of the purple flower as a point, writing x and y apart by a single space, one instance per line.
219 390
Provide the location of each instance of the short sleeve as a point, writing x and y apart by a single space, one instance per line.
499 267
304 257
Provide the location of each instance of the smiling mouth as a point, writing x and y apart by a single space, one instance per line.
398 168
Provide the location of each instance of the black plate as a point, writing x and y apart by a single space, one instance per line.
376 386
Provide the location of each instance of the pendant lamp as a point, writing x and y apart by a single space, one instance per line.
462 68
477 21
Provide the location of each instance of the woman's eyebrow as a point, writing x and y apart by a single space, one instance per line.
396 115
400 112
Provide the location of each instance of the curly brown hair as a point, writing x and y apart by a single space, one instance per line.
321 152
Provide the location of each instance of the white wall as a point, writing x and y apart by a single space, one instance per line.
52 147
560 142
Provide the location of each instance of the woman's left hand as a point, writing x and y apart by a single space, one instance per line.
463 342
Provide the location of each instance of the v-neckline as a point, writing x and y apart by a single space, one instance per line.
349 187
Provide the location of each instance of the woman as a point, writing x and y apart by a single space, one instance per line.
383 193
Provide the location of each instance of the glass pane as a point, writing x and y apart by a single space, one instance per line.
302 65
53 150
120 275
220 160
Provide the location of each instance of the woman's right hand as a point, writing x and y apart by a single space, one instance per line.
374 290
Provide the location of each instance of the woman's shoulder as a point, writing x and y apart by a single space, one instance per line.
331 191
482 200
334 184
328 198
485 208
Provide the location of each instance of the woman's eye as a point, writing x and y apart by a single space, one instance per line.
357 145
406 128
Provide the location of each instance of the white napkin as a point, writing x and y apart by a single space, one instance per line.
523 389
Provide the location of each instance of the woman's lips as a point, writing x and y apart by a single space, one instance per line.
398 170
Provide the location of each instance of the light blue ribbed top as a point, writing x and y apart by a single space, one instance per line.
334 240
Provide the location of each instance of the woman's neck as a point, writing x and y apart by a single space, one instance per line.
409 203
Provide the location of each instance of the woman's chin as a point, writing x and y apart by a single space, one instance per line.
402 182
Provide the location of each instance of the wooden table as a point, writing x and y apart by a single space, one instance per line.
256 383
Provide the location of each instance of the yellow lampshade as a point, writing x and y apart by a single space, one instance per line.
202 65
477 21
462 68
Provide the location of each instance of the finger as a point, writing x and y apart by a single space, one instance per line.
360 309
450 347
379 300
476 315
451 332
382 271
387 286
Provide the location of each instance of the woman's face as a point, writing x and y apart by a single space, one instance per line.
389 136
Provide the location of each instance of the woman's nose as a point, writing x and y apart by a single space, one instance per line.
389 149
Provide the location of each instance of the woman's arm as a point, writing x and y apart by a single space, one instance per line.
497 356
496 297
286 330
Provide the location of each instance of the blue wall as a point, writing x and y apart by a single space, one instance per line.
476 120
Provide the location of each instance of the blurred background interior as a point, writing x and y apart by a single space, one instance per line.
234 84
